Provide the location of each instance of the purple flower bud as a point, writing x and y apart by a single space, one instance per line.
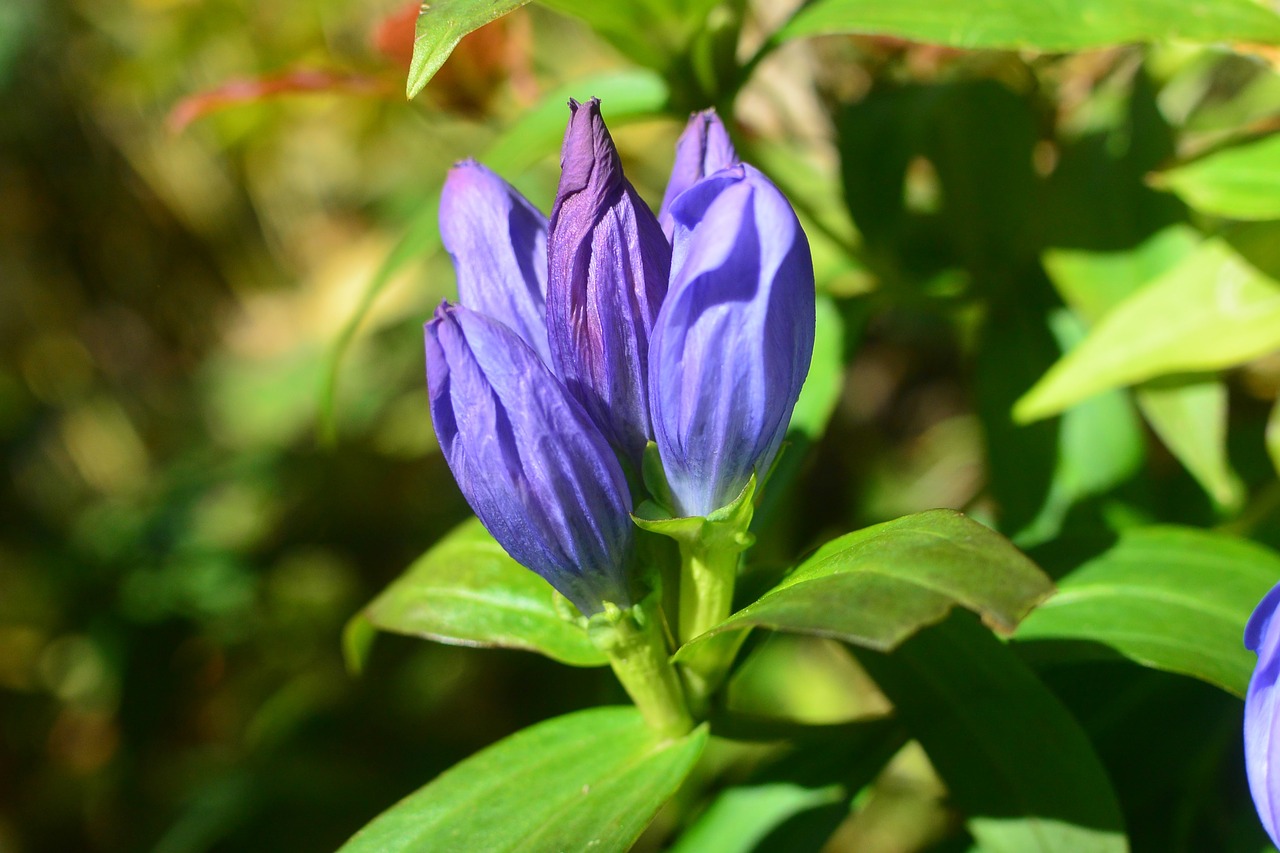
537 472
703 148
1261 720
732 345
607 276
498 241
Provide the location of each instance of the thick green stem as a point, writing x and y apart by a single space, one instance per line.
637 648
707 576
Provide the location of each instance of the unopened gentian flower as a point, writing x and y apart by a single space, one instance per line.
703 149
733 342
533 466
498 242
1262 713
607 276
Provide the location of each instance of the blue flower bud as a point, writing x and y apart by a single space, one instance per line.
703 149
498 241
1261 720
732 345
607 276
537 472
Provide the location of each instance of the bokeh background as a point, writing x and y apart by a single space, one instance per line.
214 425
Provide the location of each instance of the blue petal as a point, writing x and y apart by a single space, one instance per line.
537 472
703 149
498 241
733 342
608 268
1261 722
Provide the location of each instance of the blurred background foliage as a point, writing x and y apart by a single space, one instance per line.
217 244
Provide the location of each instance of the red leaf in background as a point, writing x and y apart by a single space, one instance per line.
252 89
393 36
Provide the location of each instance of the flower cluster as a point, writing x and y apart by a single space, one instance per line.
577 341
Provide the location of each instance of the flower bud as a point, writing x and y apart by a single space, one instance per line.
703 148
498 242
1261 720
607 276
732 345
535 469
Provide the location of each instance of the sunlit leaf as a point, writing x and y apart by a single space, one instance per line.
1014 759
877 586
591 780
467 591
1037 25
1241 182
1171 598
1190 416
1213 310
1188 413
441 25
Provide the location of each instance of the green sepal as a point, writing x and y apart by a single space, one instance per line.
724 529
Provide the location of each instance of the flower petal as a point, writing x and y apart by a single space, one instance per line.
703 149
733 342
608 268
498 242
1261 717
537 472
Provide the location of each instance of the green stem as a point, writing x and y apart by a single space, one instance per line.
636 645
707 576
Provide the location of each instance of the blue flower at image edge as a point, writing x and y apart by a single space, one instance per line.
579 339
1261 704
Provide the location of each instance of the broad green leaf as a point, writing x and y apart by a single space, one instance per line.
877 586
1038 25
467 591
1171 598
591 780
1189 414
1213 310
740 817
626 96
1014 759
441 25
1241 182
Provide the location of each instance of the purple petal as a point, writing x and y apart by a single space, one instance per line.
733 342
1261 722
537 472
703 149
607 276
498 241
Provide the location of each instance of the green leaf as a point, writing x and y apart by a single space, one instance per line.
648 33
441 25
467 591
825 382
1037 25
1015 761
590 780
1189 414
740 817
1241 182
1171 598
877 586
1213 310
